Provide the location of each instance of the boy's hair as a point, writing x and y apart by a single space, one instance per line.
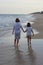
17 20
28 25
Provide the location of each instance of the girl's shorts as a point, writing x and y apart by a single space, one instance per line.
28 36
17 35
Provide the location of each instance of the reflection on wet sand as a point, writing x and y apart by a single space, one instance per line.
24 57
19 57
32 56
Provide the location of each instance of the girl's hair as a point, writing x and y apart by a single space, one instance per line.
28 25
17 20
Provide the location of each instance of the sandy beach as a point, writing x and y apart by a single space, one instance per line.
23 55
38 25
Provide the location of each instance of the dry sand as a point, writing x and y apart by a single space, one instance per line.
38 25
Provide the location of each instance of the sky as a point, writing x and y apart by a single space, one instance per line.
20 6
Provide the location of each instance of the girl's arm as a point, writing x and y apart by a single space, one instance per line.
32 32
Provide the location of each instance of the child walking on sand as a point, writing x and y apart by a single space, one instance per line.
29 30
16 31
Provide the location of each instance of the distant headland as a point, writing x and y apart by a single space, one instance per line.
41 12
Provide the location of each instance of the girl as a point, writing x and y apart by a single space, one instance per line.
29 30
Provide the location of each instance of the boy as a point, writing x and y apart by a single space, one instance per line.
16 29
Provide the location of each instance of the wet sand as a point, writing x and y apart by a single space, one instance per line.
9 55
23 55
38 25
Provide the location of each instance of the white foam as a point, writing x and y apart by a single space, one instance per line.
35 31
30 17
24 24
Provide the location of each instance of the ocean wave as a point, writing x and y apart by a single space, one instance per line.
8 21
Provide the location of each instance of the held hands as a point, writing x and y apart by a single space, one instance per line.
23 31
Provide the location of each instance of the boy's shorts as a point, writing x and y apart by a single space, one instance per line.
17 35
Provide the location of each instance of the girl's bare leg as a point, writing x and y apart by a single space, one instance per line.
17 42
28 41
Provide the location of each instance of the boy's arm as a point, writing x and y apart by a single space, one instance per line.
13 30
22 29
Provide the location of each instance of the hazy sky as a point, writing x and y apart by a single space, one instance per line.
20 6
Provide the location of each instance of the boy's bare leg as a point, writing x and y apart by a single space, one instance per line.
14 42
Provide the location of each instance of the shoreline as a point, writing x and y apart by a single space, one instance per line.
37 24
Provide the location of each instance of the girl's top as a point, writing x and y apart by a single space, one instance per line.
17 27
29 30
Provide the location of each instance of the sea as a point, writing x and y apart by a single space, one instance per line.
7 21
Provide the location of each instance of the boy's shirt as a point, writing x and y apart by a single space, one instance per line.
17 27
